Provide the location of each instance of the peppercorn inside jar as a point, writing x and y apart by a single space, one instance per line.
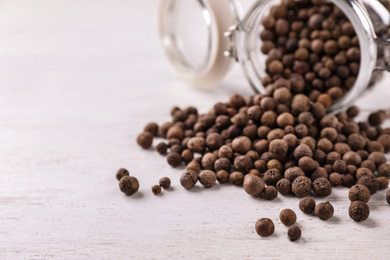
311 47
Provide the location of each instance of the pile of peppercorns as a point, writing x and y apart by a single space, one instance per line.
314 45
270 147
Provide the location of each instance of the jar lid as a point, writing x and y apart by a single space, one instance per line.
192 33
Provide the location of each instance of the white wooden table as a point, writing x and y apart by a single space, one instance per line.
78 81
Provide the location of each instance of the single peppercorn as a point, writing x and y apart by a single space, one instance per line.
243 163
188 179
294 233
359 192
223 176
370 182
174 159
359 211
196 144
156 189
162 148
236 178
128 185
121 173
207 178
287 217
322 187
335 179
283 186
301 186
253 185
264 227
307 205
165 183
383 183
324 210
145 140
384 170
270 193
272 176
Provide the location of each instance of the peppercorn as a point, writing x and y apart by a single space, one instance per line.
287 217
151 128
222 164
319 172
128 185
385 141
362 172
174 159
156 189
300 103
369 165
383 183
352 158
359 211
322 187
196 144
384 170
145 140
222 176
307 205
121 173
302 150
236 178
253 185
275 164
370 182
243 163
301 186
324 210
283 186
162 148
292 173
335 179
307 164
278 149
188 179
241 144
272 176
264 227
270 193
378 158
165 183
294 233
359 192
207 178
193 165
176 148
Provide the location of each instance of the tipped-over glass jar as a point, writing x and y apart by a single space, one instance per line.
203 37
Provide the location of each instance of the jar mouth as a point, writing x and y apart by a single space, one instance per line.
254 61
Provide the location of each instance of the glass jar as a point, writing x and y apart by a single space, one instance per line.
220 34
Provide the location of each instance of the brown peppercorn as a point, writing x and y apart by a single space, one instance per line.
176 148
145 140
278 149
352 158
287 217
253 185
356 141
241 144
294 233
236 178
348 180
359 211
151 128
363 171
165 183
307 205
208 161
320 172
174 159
359 192
383 183
275 67
300 103
222 164
307 164
193 165
285 119
301 186
225 152
370 182
282 27
196 144
236 101
188 179
156 189
385 141
384 170
264 227
283 186
293 172
128 185
324 210
207 178
322 187
163 129
339 166
243 163
162 148
302 151
187 156
270 193
335 179
378 158
325 145
275 164
214 141
222 176
272 176
121 173
175 132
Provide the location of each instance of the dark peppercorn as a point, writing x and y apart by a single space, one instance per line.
324 210
383 183
253 185
370 182
359 192
121 173
196 144
283 186
335 179
188 179
165 183
384 170
264 227
156 189
307 205
322 187
287 217
294 233
162 148
359 211
307 164
348 180
174 159
207 178
301 186
236 178
129 185
193 165
278 149
270 193
363 171
272 176
241 144
243 163
293 172
223 176
151 128
145 140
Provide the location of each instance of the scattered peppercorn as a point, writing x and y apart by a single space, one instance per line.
207 178
324 210
294 233
307 205
156 189
359 211
121 173
288 217
165 183
128 185
264 227
188 179
301 186
359 192
145 140
253 185
270 193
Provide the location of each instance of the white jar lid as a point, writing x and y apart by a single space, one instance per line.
192 33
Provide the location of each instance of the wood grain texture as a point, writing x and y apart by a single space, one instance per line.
78 81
